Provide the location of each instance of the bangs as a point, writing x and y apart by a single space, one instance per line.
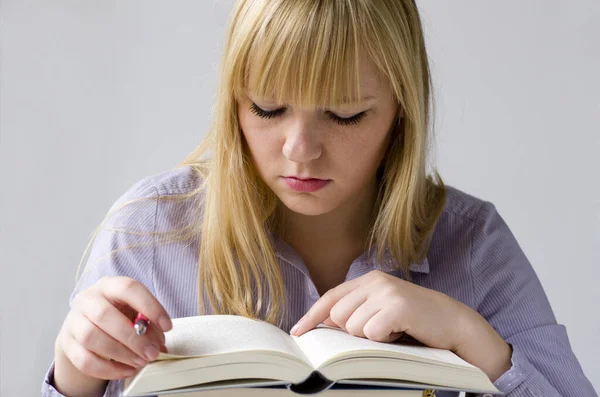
302 53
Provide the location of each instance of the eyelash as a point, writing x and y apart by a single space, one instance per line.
354 120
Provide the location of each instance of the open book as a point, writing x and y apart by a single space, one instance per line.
220 352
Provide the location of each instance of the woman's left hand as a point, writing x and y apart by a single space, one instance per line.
382 307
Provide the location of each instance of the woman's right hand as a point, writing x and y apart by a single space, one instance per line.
97 339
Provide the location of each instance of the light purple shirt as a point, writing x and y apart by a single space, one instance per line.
473 257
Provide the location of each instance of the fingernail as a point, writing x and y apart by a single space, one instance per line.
151 352
294 329
165 323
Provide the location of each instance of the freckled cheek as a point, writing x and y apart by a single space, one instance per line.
264 148
361 152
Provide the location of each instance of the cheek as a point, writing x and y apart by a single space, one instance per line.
362 153
262 143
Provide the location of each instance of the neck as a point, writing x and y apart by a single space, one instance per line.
346 226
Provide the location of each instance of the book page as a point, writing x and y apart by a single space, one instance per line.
325 343
220 334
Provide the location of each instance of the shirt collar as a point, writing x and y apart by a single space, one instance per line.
390 264
422 267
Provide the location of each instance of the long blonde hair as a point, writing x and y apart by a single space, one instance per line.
306 53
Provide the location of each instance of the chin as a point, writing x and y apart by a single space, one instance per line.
307 205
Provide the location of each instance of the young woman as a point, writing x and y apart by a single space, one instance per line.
309 202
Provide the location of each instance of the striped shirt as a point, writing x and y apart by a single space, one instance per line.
473 257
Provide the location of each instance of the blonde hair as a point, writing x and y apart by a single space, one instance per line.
306 53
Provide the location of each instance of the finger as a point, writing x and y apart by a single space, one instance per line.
108 318
329 321
379 329
136 295
88 335
155 334
356 323
320 310
92 365
343 309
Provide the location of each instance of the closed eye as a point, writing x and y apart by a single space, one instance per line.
264 113
353 120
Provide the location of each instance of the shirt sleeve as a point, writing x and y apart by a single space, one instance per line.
124 246
510 297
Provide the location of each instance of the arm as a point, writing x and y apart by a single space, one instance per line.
113 253
510 297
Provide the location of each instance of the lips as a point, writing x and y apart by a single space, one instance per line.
306 185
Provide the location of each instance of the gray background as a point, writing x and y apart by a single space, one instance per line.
97 94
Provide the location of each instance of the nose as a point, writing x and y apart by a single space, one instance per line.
302 142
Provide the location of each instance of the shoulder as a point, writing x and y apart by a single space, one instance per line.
174 181
465 213
125 242
475 243
466 220
479 218
458 231
455 228
460 204
471 237
471 242
158 198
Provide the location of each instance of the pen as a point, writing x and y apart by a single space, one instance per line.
140 324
